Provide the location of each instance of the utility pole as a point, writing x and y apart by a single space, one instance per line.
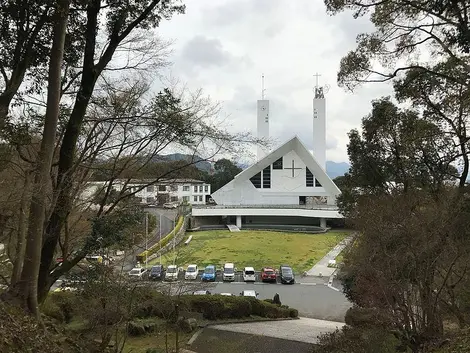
146 238
160 237
174 238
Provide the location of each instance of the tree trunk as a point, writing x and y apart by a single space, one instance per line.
68 148
25 291
21 235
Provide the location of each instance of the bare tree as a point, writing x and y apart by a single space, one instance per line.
410 252
26 288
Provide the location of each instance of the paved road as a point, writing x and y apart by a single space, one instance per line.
321 268
166 217
302 330
314 301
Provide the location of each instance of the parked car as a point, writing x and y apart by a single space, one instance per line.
171 273
156 272
249 293
249 274
137 273
209 273
229 272
201 292
268 274
227 294
191 272
170 205
287 275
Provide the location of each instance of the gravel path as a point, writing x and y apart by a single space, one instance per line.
302 330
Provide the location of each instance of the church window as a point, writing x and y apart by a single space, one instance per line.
278 164
317 183
309 178
267 177
256 180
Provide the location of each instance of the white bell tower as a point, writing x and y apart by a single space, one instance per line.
319 124
262 125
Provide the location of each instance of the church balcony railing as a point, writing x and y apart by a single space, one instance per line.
287 206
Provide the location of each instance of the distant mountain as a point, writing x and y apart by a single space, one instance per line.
202 165
334 169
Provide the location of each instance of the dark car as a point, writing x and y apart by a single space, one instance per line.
286 274
156 272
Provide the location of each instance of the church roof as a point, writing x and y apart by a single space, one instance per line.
294 144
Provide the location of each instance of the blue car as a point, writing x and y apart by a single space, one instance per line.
209 273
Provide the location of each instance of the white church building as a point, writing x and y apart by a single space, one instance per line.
287 185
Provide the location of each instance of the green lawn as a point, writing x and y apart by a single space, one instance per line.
254 248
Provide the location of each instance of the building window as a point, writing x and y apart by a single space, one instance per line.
206 188
195 198
256 180
195 188
174 199
200 188
186 188
150 188
174 187
317 183
186 198
150 199
267 177
309 178
161 187
278 164
200 198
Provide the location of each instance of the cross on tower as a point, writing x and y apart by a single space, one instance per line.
317 75
293 169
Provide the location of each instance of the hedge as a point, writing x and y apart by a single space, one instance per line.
156 247
214 307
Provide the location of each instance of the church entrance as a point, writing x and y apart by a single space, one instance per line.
302 200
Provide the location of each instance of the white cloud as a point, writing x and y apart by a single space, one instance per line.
224 46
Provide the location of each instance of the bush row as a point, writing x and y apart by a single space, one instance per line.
143 255
214 307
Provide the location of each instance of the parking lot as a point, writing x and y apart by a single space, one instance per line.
239 278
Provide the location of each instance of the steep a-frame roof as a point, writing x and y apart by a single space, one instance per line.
296 145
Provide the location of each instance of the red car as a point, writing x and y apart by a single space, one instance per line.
268 274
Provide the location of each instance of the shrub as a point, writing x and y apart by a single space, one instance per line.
293 312
366 317
212 307
60 306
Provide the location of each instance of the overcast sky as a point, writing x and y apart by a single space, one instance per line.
223 46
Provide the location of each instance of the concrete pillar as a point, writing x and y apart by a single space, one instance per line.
323 222
239 222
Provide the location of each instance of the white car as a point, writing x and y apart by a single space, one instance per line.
249 274
229 272
171 273
170 205
227 294
201 292
137 273
249 293
191 272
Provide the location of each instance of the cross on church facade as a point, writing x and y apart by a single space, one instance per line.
293 169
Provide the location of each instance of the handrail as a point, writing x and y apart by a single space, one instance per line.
288 206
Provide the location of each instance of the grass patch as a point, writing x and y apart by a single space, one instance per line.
339 258
155 341
255 248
